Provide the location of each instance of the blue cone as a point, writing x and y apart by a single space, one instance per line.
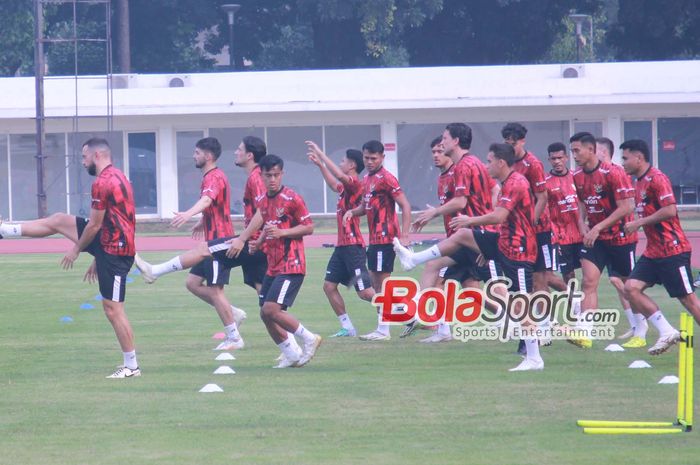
135 272
129 280
87 306
98 297
66 319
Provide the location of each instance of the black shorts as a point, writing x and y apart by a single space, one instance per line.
254 268
380 258
545 252
567 257
112 270
467 268
672 272
519 273
348 266
281 289
213 271
619 259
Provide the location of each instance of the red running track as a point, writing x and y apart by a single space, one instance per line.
165 243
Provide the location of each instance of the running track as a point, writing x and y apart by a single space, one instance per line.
168 243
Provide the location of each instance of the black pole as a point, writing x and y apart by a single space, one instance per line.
42 209
232 56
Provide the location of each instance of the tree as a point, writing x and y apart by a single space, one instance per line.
652 30
17 37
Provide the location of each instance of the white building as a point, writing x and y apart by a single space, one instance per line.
156 126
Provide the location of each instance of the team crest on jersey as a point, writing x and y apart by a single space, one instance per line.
598 188
644 195
279 211
371 187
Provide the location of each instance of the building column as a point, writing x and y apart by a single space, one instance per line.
167 172
389 139
613 129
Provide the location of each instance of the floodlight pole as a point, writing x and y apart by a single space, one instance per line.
39 69
578 20
231 9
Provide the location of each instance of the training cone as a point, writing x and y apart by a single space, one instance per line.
224 370
614 348
225 356
639 364
211 388
219 336
670 379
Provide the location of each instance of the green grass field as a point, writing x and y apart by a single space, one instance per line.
396 402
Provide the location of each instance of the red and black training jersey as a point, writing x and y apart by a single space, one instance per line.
477 187
217 216
285 209
112 192
349 197
446 186
533 170
254 189
517 240
562 203
653 191
380 190
600 190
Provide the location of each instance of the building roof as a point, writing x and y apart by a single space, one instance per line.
362 89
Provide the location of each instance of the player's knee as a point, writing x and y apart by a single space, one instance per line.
268 310
366 294
631 289
329 287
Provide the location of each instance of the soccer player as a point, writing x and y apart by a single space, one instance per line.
666 258
286 221
215 223
348 264
381 192
247 156
606 197
513 247
562 203
107 235
638 324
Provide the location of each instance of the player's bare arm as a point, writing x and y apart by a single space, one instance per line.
624 208
183 217
497 216
91 230
662 214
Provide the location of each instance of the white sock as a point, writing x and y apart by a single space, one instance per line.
631 319
293 342
641 327
305 334
382 327
532 346
576 307
443 329
170 266
426 255
289 350
345 322
232 332
130 360
659 321
10 230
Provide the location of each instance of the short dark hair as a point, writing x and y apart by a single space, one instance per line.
515 131
462 132
556 147
436 141
355 156
211 145
584 138
96 143
637 145
373 146
504 152
256 146
608 143
269 161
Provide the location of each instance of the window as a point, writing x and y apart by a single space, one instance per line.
288 143
594 127
679 156
639 130
338 140
142 171
189 177
24 181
